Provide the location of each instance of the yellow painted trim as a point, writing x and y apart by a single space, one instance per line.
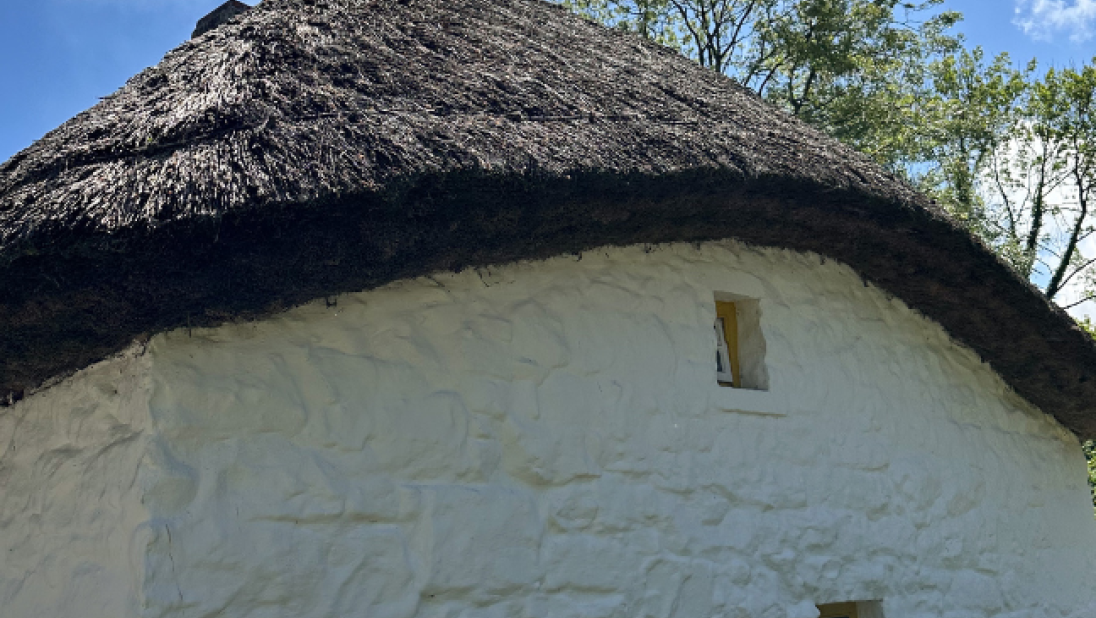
837 610
729 312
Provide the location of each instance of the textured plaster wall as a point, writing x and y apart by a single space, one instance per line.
548 439
73 529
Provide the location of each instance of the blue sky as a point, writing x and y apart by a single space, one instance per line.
1057 32
57 57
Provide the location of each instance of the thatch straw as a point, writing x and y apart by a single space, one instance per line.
312 147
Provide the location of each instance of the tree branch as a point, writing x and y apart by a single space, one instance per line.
1079 302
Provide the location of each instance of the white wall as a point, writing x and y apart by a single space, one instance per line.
73 531
547 439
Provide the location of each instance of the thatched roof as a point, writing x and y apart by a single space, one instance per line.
312 147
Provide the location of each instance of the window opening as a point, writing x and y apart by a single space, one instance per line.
739 343
838 610
851 609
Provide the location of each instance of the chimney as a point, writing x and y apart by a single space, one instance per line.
220 15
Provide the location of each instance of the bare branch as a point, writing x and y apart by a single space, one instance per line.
1078 302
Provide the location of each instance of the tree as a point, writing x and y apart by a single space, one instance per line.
850 67
1067 110
1014 159
649 18
957 131
1088 326
1090 454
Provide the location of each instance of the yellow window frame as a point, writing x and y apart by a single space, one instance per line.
727 311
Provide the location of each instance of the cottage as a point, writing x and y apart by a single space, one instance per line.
474 308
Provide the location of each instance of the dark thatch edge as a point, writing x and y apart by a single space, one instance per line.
436 182
254 264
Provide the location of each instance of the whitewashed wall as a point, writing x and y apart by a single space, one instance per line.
73 530
548 439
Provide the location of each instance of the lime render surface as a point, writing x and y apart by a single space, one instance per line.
548 439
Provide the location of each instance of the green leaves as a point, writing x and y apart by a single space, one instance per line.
851 67
958 141
1088 326
649 18
1090 454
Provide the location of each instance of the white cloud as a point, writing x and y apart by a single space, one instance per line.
1047 19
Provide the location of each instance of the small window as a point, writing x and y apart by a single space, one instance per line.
727 367
739 345
838 610
851 609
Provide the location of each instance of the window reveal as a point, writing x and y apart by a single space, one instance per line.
739 343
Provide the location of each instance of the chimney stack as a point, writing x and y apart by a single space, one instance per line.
220 15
